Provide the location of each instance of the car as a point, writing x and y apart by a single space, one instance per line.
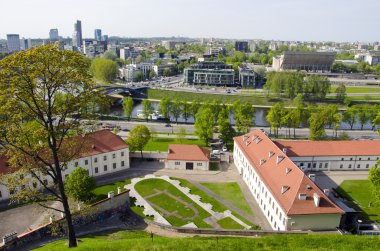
224 149
215 152
168 125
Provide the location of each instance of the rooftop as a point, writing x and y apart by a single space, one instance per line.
283 178
188 152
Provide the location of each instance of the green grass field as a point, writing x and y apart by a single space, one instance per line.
141 241
148 186
360 191
229 223
358 89
230 192
101 192
161 144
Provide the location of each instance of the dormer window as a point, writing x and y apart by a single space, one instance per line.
262 161
302 196
270 154
288 170
279 159
284 189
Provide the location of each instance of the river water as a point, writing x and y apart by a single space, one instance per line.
260 114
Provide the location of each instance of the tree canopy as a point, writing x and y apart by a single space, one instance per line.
104 69
79 185
139 136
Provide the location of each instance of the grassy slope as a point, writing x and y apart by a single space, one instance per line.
139 240
148 186
231 192
161 144
357 89
361 192
229 223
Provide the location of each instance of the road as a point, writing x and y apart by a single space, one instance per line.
300 132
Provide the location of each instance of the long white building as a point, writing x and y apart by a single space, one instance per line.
105 153
289 199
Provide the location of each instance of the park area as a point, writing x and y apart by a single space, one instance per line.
161 144
359 195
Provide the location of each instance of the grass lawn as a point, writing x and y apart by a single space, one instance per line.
229 223
358 89
101 192
161 144
171 205
230 192
140 240
148 186
360 191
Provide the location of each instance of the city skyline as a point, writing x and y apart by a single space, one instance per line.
271 20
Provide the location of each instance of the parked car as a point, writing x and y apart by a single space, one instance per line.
224 149
216 152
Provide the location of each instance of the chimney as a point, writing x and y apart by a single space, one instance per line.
302 196
284 189
270 154
285 150
119 190
312 177
111 194
316 199
326 192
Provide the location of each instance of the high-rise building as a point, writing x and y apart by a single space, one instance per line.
98 34
241 46
77 35
13 42
53 34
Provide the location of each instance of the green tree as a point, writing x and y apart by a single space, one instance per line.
186 110
164 107
374 178
39 88
110 55
341 92
139 76
317 87
139 136
147 108
194 107
274 117
244 115
330 111
350 115
203 124
166 72
181 134
317 123
363 114
338 118
175 109
79 185
226 131
216 107
103 69
151 74
128 106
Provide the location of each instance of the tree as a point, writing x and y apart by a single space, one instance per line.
151 74
338 118
194 107
317 87
363 114
181 134
164 107
110 55
274 116
175 109
203 124
128 106
317 123
226 131
39 89
139 136
186 110
79 185
341 92
139 76
166 72
243 117
103 69
147 108
374 178
330 111
350 115
153 132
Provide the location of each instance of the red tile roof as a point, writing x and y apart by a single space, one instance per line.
95 143
188 152
297 148
275 176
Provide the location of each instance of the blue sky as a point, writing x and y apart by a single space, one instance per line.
322 20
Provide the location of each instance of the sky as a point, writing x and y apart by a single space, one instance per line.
302 20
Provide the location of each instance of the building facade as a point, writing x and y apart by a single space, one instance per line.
53 35
210 73
288 198
187 157
98 34
77 35
159 69
241 46
108 154
13 42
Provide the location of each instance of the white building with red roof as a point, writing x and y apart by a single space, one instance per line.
105 153
351 155
187 157
289 199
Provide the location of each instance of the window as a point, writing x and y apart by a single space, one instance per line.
270 200
114 155
46 182
177 163
326 165
342 159
369 158
276 210
360 158
271 218
122 163
341 166
105 157
96 160
367 166
1 194
314 165
199 164
76 163
349 166
114 165
320 165
350 158
86 162
358 166
105 168
308 165
301 164
122 154
96 170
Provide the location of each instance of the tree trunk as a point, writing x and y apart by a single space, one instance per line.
141 154
294 132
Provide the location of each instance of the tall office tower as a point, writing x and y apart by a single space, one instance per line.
13 42
98 34
53 34
77 36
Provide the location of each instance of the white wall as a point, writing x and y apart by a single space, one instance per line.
315 222
181 165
